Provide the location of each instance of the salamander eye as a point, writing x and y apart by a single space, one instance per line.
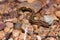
23 9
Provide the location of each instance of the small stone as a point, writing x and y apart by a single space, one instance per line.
48 19
25 21
2 25
13 14
30 32
1 34
21 36
15 33
14 20
6 29
18 25
30 1
9 24
57 13
43 31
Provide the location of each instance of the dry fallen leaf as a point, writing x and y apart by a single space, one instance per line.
30 1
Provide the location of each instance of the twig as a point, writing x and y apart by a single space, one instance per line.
25 33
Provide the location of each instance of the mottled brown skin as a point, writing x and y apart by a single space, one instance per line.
41 5
38 22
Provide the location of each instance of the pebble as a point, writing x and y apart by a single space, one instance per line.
43 31
15 33
2 34
14 20
48 19
25 23
57 13
30 1
6 29
21 36
13 14
2 25
30 30
18 25
9 24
